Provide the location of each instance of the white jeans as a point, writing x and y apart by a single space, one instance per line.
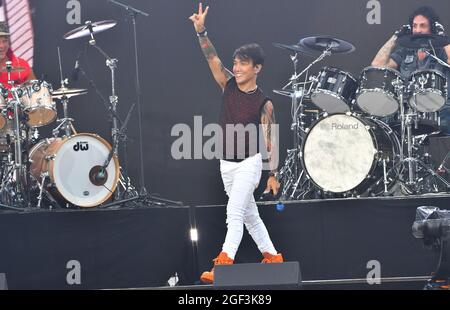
240 180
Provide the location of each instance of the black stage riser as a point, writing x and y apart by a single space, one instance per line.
144 247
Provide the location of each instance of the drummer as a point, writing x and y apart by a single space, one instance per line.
21 70
424 20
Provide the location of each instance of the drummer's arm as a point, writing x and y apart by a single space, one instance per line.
447 51
31 76
383 57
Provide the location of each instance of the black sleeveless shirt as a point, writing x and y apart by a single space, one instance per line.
240 109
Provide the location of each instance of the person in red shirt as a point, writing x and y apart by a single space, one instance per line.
21 70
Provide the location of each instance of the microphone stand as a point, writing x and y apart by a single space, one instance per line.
101 174
133 12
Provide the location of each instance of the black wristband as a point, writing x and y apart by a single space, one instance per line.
202 34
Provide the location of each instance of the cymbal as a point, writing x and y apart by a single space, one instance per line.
13 69
295 48
307 103
68 92
321 43
423 41
85 30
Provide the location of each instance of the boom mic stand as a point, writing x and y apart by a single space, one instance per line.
133 12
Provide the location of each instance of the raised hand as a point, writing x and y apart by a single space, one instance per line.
199 18
404 29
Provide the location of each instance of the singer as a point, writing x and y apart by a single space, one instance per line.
21 70
243 103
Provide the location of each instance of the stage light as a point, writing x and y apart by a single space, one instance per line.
433 226
194 234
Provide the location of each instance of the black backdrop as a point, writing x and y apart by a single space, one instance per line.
176 82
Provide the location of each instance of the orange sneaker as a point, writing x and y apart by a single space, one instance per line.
222 259
270 258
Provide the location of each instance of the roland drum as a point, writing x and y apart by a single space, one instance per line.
376 94
429 91
334 90
345 154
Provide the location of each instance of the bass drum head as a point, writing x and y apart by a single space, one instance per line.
72 166
338 153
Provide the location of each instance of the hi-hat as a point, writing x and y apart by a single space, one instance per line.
295 48
322 43
68 92
89 27
418 41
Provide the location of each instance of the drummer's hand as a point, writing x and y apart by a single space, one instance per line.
272 185
199 18
404 29
439 29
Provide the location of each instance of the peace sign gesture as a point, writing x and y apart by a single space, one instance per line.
199 18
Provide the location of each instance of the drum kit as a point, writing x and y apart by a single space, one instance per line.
366 136
67 169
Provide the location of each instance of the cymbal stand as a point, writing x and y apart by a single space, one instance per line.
111 63
65 123
293 178
19 169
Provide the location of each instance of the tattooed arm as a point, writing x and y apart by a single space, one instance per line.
271 140
383 59
220 73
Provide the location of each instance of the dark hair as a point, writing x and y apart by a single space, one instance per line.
427 12
250 51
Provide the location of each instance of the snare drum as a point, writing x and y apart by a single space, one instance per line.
376 94
37 103
429 90
334 90
72 164
346 154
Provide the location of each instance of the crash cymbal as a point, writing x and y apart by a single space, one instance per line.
89 27
418 41
295 48
13 69
68 92
321 43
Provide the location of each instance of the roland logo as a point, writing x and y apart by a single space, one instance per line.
81 146
337 126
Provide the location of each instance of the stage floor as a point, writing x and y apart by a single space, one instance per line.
143 246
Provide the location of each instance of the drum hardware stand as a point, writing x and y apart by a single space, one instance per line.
19 194
413 163
111 63
133 13
295 182
143 193
65 123
442 167
443 63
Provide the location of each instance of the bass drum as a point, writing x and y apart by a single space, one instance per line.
72 165
345 154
